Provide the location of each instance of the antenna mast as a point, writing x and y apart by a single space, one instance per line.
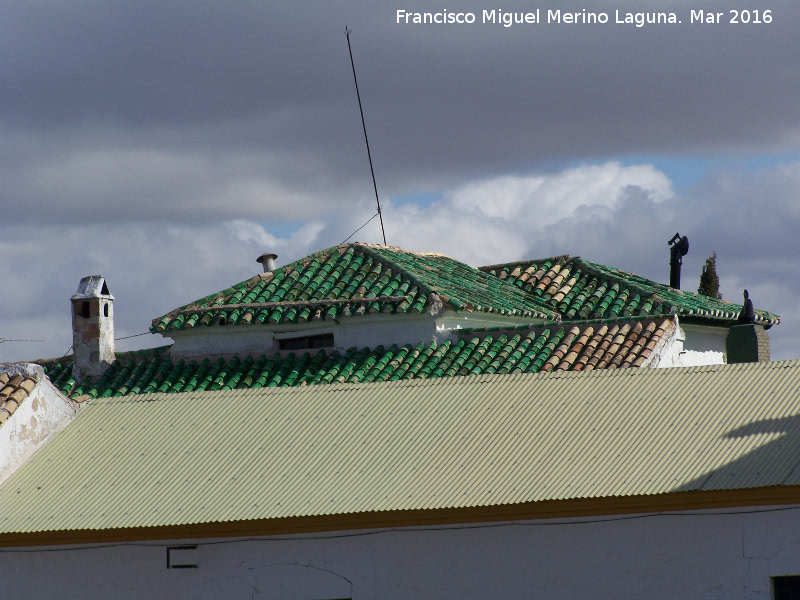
347 33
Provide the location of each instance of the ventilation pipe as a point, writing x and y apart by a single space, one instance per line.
267 260
679 247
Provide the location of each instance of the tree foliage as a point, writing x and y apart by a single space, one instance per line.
709 281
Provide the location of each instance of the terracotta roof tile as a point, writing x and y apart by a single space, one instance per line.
14 389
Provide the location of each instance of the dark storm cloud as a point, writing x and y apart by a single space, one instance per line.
132 134
204 85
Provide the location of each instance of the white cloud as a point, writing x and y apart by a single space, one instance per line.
506 217
558 196
301 242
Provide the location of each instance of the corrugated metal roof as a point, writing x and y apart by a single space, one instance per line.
488 440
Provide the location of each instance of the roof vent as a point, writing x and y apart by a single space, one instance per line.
268 261
679 247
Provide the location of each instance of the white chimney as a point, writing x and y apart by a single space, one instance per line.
92 328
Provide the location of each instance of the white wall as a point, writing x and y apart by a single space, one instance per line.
712 556
369 331
704 345
362 332
44 412
221 340
690 346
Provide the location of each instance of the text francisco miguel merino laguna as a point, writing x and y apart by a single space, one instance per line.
639 19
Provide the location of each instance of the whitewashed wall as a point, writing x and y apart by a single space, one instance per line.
44 412
711 556
704 345
690 346
361 332
366 331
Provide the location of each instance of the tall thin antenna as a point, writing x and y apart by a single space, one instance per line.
347 33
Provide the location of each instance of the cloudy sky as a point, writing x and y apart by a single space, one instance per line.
166 145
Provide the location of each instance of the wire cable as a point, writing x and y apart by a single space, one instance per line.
127 337
360 228
347 33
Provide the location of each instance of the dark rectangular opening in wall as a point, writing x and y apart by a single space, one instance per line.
307 342
181 557
85 310
786 587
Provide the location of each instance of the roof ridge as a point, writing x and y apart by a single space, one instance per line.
450 296
598 270
612 272
370 249
400 249
517 263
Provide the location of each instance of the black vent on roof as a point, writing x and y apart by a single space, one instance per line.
679 247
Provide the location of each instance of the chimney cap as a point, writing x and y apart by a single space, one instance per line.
268 261
266 256
92 286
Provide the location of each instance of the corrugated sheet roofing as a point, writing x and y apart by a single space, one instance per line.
576 347
578 289
488 440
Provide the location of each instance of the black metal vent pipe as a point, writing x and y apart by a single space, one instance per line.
679 247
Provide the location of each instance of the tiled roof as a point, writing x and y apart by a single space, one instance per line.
14 389
586 346
578 289
354 279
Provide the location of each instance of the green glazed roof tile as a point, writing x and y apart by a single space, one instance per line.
587 290
355 279
572 346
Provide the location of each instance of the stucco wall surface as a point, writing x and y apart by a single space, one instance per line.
708 556
44 412
367 331
691 346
